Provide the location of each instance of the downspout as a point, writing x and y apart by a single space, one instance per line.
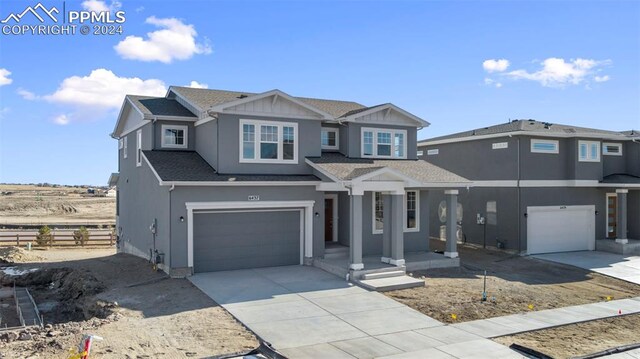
173 186
153 132
518 201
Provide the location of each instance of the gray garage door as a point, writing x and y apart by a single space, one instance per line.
226 241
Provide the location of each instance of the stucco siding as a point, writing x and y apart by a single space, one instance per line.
308 144
207 142
141 200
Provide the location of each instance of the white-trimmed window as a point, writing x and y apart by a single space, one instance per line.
120 143
433 152
420 153
612 149
329 138
412 211
385 143
174 136
124 147
268 142
544 146
138 148
588 151
411 214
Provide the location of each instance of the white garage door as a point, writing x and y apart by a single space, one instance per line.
560 229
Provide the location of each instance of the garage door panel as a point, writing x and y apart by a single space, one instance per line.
560 229
238 240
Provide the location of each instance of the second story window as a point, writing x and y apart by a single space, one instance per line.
138 148
174 136
329 138
588 151
268 142
612 149
386 143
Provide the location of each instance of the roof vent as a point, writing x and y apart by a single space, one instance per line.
243 96
547 125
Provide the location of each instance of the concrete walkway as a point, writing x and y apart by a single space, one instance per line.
619 266
519 323
305 312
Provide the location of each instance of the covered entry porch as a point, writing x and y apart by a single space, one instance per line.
377 216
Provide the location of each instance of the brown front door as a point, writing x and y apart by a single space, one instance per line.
328 219
612 216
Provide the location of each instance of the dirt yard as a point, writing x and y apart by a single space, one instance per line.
513 284
138 312
31 204
580 339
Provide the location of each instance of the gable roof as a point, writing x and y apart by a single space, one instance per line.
159 106
188 166
347 169
206 98
533 127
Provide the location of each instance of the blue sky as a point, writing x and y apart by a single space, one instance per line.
459 65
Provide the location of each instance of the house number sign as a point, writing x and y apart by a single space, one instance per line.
254 197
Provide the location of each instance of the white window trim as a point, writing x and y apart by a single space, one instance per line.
124 150
537 140
334 130
588 158
374 230
417 228
138 148
433 152
176 127
120 143
611 144
256 153
375 142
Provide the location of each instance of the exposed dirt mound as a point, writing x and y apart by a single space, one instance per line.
69 293
18 255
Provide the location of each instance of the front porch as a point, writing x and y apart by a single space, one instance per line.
338 263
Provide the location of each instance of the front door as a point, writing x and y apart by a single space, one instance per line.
328 219
612 215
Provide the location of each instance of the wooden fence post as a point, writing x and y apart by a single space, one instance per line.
17 239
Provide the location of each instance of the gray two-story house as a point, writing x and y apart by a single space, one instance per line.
542 187
212 180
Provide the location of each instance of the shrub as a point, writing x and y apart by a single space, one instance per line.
81 236
44 236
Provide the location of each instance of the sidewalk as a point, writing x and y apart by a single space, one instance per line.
519 323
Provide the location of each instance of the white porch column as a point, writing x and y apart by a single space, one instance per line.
386 227
397 230
355 241
621 228
451 250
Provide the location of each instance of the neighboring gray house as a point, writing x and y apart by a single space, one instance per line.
541 187
216 180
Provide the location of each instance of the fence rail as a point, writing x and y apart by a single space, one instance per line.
60 238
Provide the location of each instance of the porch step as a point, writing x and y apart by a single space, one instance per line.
610 245
336 251
392 283
378 275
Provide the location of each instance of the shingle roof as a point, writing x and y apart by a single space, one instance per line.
345 169
205 98
189 166
353 112
159 106
621 178
529 126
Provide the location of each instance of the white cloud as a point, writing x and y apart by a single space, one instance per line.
26 94
174 41
197 85
103 89
4 77
140 9
492 82
604 78
61 120
495 65
100 6
557 72
4 111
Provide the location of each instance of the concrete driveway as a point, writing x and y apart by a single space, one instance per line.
305 312
619 266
